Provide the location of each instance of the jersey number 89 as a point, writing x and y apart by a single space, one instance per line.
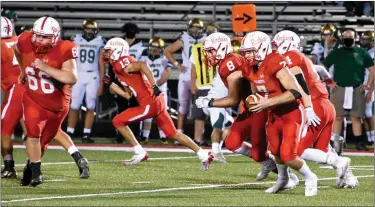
87 55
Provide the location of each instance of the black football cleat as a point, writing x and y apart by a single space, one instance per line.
26 178
36 178
9 171
82 164
87 139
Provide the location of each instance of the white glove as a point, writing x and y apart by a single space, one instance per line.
202 102
312 118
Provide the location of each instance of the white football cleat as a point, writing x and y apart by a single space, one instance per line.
205 164
351 181
267 166
280 185
137 158
311 186
341 171
293 181
219 157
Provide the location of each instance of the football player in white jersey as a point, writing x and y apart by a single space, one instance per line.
185 41
90 72
161 68
367 42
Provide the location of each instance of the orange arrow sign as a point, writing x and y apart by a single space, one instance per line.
243 17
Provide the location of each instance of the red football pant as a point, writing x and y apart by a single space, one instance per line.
284 132
11 110
249 125
156 110
320 135
40 122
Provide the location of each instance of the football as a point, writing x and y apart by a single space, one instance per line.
251 99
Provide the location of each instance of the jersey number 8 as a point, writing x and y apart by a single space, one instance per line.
46 85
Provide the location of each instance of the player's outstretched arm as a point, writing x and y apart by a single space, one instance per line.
233 97
67 74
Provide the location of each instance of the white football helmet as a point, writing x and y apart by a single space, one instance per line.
6 28
286 41
259 42
45 26
221 44
115 49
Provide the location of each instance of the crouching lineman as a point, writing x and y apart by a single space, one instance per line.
137 80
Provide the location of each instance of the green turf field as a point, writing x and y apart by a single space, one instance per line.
174 182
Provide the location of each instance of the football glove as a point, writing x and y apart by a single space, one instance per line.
312 118
156 90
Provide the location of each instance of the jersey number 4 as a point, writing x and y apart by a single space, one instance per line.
46 85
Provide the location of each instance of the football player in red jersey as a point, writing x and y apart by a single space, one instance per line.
48 66
279 94
11 109
219 54
137 80
287 44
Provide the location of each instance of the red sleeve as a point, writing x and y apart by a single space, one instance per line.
293 58
70 50
229 65
275 62
21 43
131 59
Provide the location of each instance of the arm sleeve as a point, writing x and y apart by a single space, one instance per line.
293 58
277 62
368 61
71 51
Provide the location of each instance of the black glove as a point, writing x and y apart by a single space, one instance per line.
156 90
107 80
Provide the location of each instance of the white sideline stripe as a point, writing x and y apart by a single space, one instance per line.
161 149
104 161
155 190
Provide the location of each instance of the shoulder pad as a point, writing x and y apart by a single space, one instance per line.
144 52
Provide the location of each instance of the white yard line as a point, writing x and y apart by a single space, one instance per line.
163 149
154 191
